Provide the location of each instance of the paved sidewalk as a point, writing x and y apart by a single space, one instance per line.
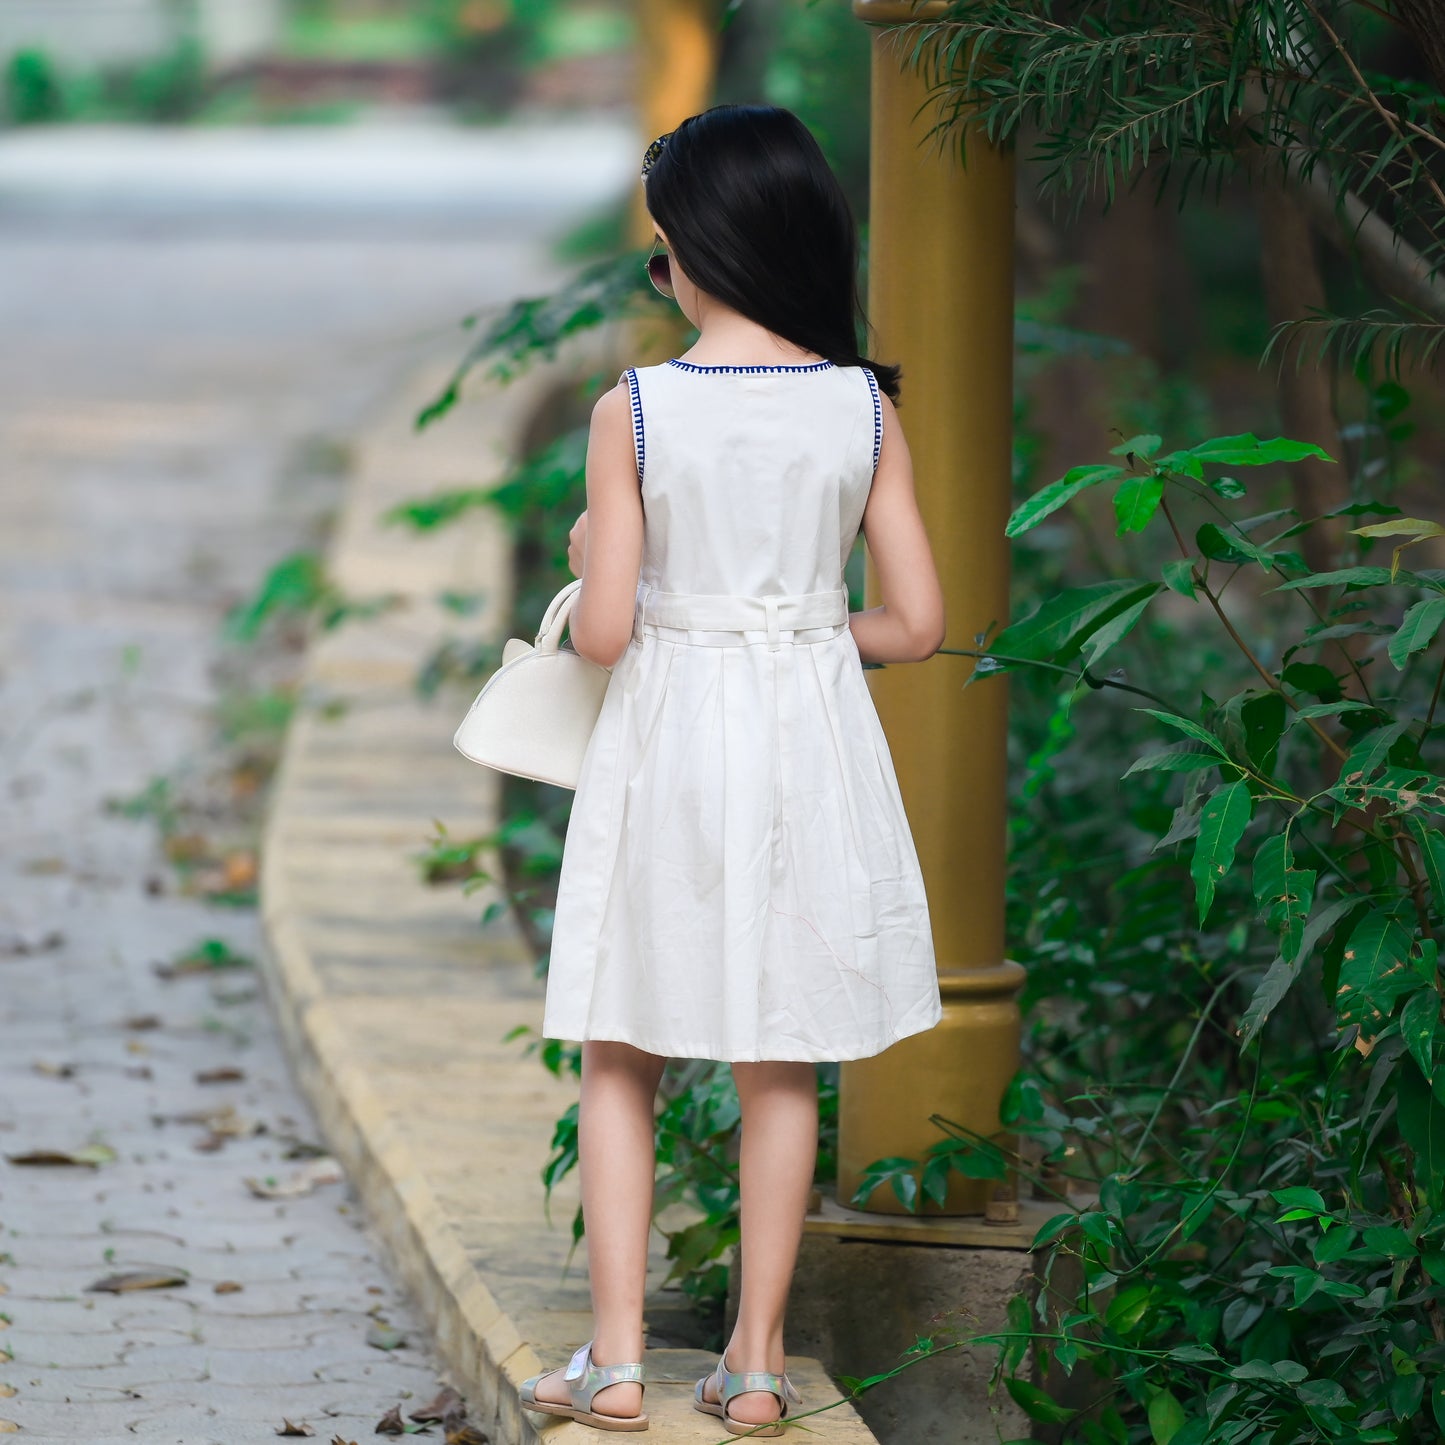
160 389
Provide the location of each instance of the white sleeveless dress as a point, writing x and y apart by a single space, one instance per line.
738 879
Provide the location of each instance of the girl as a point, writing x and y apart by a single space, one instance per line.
739 881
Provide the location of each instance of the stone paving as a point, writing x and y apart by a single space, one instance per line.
165 362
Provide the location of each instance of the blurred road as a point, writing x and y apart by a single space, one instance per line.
192 324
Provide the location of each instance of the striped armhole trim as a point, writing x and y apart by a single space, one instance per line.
877 415
639 440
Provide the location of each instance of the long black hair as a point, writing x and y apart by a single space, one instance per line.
755 217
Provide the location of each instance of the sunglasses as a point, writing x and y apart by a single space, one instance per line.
659 271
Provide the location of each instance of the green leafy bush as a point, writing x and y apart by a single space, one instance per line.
1233 1084
33 93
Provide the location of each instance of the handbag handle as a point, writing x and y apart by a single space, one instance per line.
554 620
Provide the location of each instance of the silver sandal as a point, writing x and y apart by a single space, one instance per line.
732 1383
584 1380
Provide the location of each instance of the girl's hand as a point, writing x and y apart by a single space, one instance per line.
577 544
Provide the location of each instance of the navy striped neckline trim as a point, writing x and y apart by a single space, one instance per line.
799 366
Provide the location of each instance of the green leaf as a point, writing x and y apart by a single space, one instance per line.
1374 968
1140 446
1184 464
1329 1394
1185 725
1403 788
1369 750
1178 761
1222 822
1417 630
1136 501
1221 546
1422 1125
1178 576
1300 1196
1057 628
1128 1307
1278 979
1166 1417
1283 893
1053 496
1314 678
1036 1404
1391 1241
1252 722
1117 627
1246 450
1052 1228
1353 577
1331 709
1419 1020
1432 852
1194 1354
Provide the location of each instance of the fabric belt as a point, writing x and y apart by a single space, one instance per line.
804 616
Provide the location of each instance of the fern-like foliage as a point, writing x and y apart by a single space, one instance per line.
1122 91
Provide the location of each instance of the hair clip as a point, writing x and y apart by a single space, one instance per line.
653 151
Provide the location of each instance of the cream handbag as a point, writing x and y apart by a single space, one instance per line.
535 716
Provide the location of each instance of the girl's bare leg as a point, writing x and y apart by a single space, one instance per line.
618 1167
779 1156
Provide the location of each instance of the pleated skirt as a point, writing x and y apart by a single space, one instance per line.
739 881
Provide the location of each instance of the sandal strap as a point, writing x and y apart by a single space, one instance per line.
732 1383
584 1379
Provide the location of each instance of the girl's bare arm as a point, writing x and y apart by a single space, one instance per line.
909 624
601 622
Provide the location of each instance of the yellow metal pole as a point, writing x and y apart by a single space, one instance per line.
941 302
677 45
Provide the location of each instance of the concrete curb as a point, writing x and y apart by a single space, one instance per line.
391 999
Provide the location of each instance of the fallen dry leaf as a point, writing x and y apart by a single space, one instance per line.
228 1074
383 1337
239 869
9 1427
7 1391
337 1440
436 1410
142 1021
228 1286
391 1423
136 1046
92 1155
140 1279
219 1119
301 1148
54 1071
18 944
465 1435
309 1176
186 847
287 1428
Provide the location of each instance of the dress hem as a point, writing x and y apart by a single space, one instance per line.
693 1052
